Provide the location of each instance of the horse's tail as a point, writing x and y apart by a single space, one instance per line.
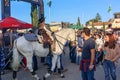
16 57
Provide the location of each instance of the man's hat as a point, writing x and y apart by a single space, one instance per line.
42 19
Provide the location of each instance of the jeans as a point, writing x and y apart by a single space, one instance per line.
109 66
61 64
78 58
99 57
73 54
49 61
89 74
42 59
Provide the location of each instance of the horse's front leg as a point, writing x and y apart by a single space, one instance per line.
54 61
59 67
30 67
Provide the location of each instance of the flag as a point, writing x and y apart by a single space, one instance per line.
109 9
49 3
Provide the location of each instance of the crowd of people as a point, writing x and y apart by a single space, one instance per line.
99 48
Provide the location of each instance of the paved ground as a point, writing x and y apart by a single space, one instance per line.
73 72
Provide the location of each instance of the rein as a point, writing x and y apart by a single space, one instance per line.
61 37
54 36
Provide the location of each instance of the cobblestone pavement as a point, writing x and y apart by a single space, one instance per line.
73 72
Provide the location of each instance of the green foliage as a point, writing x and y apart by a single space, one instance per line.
34 15
93 28
98 17
91 20
109 9
103 27
78 22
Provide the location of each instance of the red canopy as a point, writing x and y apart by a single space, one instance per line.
13 23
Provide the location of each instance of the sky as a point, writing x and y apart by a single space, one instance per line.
67 10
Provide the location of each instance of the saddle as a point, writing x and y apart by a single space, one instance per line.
31 37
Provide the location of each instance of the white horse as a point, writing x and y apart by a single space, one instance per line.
25 48
60 38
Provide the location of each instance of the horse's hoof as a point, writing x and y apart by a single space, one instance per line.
62 76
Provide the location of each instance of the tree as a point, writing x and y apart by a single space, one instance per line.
104 27
109 9
98 17
93 28
78 22
91 20
34 15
